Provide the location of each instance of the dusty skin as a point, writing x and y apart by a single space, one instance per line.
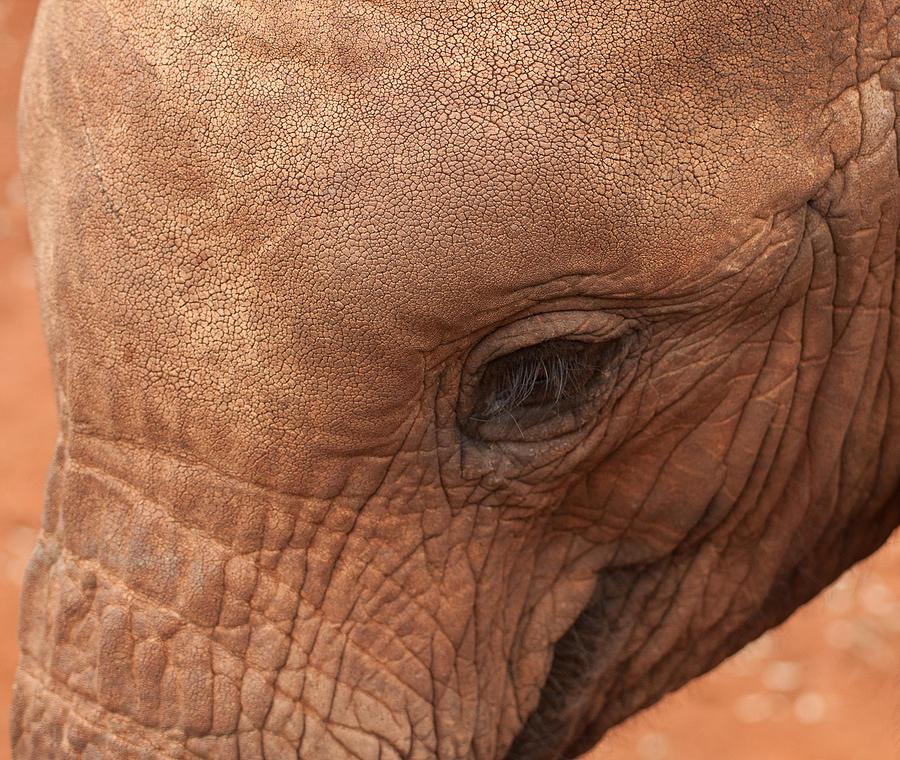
445 381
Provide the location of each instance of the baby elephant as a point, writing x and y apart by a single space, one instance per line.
447 379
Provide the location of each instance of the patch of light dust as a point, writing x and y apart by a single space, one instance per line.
754 708
653 746
15 549
782 675
810 708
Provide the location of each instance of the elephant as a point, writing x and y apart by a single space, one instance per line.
452 379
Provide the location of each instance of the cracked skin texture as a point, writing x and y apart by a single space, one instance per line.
277 245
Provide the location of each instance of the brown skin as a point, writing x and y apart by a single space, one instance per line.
279 243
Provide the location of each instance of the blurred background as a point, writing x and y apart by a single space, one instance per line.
824 686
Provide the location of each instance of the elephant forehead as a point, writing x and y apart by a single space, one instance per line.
425 151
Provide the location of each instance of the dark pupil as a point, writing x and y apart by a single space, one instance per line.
537 376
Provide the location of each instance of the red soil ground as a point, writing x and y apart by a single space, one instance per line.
822 687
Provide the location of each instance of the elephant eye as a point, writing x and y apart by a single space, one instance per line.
539 383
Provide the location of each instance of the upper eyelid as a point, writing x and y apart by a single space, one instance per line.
565 325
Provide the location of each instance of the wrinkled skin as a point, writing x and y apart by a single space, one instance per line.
279 245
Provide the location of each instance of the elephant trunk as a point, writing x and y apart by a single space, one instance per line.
118 625
145 636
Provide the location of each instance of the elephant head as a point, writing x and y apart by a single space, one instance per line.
446 380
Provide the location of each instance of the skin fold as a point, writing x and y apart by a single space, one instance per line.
446 380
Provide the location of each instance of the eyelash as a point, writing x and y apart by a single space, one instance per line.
545 376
